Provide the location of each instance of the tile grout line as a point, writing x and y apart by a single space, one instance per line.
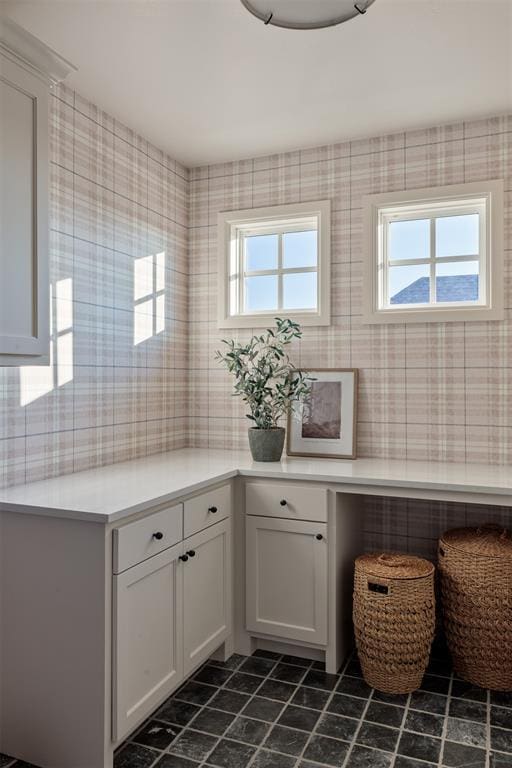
445 722
323 712
488 732
401 729
346 762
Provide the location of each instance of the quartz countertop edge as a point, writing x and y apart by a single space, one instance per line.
111 493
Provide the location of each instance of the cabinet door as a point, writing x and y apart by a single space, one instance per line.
148 652
287 578
207 617
24 287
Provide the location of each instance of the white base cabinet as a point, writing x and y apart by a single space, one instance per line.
286 571
171 612
148 637
206 593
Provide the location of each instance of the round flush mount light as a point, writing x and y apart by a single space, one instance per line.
306 14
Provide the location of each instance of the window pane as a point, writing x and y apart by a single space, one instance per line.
409 284
300 249
299 290
409 239
457 235
457 281
260 293
261 252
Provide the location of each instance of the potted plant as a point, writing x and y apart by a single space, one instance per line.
268 382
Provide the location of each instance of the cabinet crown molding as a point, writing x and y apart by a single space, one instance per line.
28 51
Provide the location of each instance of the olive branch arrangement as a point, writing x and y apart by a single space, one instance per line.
265 378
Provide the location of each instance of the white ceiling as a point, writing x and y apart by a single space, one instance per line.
207 82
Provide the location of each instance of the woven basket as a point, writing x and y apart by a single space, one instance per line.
475 565
394 620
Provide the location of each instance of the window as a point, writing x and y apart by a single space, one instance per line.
274 261
434 254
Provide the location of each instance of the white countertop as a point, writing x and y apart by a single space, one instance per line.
107 494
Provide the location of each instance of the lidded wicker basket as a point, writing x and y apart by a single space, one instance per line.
475 565
394 619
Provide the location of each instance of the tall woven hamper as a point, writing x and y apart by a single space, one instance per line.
394 619
475 565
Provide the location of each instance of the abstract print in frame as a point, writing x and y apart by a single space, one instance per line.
324 425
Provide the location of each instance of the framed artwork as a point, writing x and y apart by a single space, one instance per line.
324 425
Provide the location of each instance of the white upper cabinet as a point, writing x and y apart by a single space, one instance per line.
27 69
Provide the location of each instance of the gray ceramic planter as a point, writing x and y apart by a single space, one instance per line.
266 444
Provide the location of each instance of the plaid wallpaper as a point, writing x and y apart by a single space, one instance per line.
133 265
415 525
440 391
117 385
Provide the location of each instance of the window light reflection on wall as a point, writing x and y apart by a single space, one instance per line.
36 380
149 297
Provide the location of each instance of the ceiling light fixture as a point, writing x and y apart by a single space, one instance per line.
306 14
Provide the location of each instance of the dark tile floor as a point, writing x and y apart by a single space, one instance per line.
272 711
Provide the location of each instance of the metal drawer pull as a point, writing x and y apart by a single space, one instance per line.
191 553
319 536
183 558
212 510
283 502
158 535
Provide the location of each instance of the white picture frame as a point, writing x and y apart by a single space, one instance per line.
324 425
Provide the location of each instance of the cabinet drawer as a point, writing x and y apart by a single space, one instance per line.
206 509
137 541
294 502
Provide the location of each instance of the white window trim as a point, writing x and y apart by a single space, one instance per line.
490 306
261 219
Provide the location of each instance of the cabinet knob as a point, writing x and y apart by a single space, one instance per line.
212 510
183 558
319 536
158 535
283 502
191 553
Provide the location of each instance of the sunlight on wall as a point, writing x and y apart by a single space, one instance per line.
64 337
149 297
142 322
39 380
160 314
